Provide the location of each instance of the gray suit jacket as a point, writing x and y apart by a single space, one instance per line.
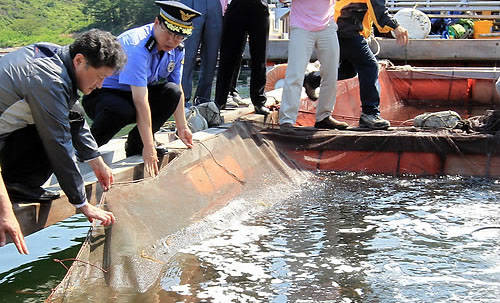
38 86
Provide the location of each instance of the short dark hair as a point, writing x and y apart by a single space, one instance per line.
100 48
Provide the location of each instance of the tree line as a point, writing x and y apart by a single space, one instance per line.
27 21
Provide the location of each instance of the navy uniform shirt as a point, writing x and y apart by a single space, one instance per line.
145 64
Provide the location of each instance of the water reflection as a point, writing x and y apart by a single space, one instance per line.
354 238
31 278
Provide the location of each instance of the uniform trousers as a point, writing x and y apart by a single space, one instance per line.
112 109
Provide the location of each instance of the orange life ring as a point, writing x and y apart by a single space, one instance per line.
277 73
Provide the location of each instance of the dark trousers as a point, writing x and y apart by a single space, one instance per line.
112 109
356 57
24 159
243 18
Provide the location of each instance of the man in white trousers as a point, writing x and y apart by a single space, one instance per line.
311 27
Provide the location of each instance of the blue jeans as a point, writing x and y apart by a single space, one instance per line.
206 36
356 57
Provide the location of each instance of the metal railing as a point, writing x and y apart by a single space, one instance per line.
445 5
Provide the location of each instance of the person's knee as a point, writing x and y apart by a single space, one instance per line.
172 92
125 114
294 79
164 98
89 105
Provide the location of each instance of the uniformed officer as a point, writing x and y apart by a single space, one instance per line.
39 131
147 90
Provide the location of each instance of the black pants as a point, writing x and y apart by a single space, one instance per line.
24 159
112 109
243 18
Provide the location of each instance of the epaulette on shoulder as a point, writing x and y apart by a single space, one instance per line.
150 44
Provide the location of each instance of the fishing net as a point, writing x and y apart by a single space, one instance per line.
248 165
193 196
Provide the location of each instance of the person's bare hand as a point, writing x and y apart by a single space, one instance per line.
186 136
102 172
150 160
401 35
94 213
10 226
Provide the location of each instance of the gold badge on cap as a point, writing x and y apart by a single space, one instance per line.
171 66
186 16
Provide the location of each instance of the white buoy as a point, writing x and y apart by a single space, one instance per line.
416 22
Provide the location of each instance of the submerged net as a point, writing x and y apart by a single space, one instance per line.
156 217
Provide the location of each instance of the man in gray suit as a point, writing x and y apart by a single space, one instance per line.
42 131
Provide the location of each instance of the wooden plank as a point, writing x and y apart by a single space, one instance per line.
33 217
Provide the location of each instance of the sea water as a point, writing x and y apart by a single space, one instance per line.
354 238
345 237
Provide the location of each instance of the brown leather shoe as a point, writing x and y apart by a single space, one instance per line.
330 123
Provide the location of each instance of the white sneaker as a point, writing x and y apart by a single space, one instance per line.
240 101
230 103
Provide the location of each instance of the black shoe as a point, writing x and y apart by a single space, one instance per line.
161 150
286 128
310 91
21 193
330 123
200 100
373 121
262 110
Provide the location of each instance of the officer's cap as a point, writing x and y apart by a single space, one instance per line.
177 17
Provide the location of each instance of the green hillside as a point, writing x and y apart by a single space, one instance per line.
27 21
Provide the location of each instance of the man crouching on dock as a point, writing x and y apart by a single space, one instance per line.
42 131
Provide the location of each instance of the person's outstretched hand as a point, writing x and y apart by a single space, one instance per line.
186 136
102 172
94 213
401 35
10 226
150 158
